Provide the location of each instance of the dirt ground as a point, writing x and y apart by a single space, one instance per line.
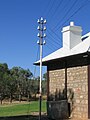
30 117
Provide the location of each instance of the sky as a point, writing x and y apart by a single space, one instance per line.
18 28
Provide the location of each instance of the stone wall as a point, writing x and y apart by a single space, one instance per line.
77 89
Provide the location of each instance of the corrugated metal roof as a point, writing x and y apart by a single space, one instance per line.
82 47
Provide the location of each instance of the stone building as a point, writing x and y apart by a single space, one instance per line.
68 76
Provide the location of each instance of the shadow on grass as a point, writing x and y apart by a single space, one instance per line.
25 117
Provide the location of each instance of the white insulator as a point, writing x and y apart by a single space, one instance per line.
44 42
44 35
44 28
41 18
38 42
38 21
45 21
38 34
38 27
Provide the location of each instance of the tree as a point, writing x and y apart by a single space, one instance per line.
27 75
11 86
22 77
44 83
45 76
14 81
4 71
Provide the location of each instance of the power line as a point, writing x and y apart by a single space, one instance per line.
58 6
50 9
48 3
57 36
52 30
60 9
49 47
58 40
55 33
68 19
75 2
52 44
53 41
72 15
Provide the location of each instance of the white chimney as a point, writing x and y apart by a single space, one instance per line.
71 36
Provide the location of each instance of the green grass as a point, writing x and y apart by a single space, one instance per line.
21 109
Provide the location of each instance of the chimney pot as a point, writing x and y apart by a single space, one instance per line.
71 23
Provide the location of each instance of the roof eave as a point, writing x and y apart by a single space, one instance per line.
45 63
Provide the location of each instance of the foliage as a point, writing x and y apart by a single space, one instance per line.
45 76
17 83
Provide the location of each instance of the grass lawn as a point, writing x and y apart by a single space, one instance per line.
21 109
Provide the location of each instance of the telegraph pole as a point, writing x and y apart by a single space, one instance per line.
41 42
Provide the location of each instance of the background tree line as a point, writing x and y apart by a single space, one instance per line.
18 83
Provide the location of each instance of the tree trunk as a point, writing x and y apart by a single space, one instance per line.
10 97
35 96
1 98
1 101
28 97
20 96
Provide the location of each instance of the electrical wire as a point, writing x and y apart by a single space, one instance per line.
46 10
50 9
53 41
52 3
53 38
58 37
50 48
68 19
72 15
74 3
52 44
54 33
55 10
63 5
